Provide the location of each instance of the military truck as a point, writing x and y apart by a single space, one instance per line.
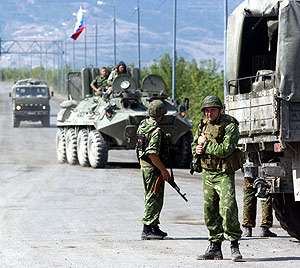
89 126
30 102
263 93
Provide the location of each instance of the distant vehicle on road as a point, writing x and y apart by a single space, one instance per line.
263 94
30 102
89 126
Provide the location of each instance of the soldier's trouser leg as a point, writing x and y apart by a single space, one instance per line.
153 202
267 213
220 207
250 202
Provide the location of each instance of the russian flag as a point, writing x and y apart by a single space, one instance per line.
79 26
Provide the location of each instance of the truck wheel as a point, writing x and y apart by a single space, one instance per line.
287 212
97 149
46 121
82 148
182 156
16 121
61 145
71 146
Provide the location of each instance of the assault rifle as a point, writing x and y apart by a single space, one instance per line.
160 179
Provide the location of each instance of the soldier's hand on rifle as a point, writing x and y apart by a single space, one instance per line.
157 162
165 175
201 140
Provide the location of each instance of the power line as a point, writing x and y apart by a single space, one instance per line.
160 5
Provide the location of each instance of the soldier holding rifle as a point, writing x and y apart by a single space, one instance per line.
214 147
149 143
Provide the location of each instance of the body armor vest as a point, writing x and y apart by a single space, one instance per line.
215 133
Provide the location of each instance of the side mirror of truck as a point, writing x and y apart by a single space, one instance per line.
9 94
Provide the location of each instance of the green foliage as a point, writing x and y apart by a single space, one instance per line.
193 80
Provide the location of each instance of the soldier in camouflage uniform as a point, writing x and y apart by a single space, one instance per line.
214 146
249 214
99 84
149 144
120 69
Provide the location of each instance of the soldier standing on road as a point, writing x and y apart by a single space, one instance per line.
249 214
214 145
100 82
149 149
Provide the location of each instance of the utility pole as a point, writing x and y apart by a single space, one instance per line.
139 42
174 50
225 44
96 45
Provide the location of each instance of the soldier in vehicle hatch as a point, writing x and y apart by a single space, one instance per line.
121 68
99 84
249 213
214 145
150 143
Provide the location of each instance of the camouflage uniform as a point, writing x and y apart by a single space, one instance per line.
114 74
219 164
250 201
153 202
99 81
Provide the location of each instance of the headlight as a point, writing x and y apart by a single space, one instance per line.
18 107
112 103
125 84
44 107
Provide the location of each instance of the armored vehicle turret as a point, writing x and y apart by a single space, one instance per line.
30 102
263 93
89 126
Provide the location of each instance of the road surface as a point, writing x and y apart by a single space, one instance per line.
57 215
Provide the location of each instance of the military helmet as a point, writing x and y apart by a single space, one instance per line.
156 108
211 102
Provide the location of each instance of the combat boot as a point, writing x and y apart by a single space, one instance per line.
235 251
213 252
265 232
147 234
247 232
157 231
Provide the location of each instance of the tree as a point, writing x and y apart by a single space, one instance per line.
193 80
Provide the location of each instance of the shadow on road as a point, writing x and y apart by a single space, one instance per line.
186 238
114 165
272 259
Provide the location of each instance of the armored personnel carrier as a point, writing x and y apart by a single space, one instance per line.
30 102
263 93
89 126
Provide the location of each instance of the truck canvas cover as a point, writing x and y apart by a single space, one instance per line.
265 34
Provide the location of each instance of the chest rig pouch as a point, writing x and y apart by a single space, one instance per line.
216 133
142 144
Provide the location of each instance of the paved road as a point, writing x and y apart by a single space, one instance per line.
54 215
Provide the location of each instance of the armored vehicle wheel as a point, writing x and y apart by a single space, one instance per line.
16 121
46 121
82 148
61 145
287 212
71 146
182 157
97 149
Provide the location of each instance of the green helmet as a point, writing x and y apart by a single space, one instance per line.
156 108
211 102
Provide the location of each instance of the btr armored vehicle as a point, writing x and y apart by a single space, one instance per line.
30 102
263 93
89 126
